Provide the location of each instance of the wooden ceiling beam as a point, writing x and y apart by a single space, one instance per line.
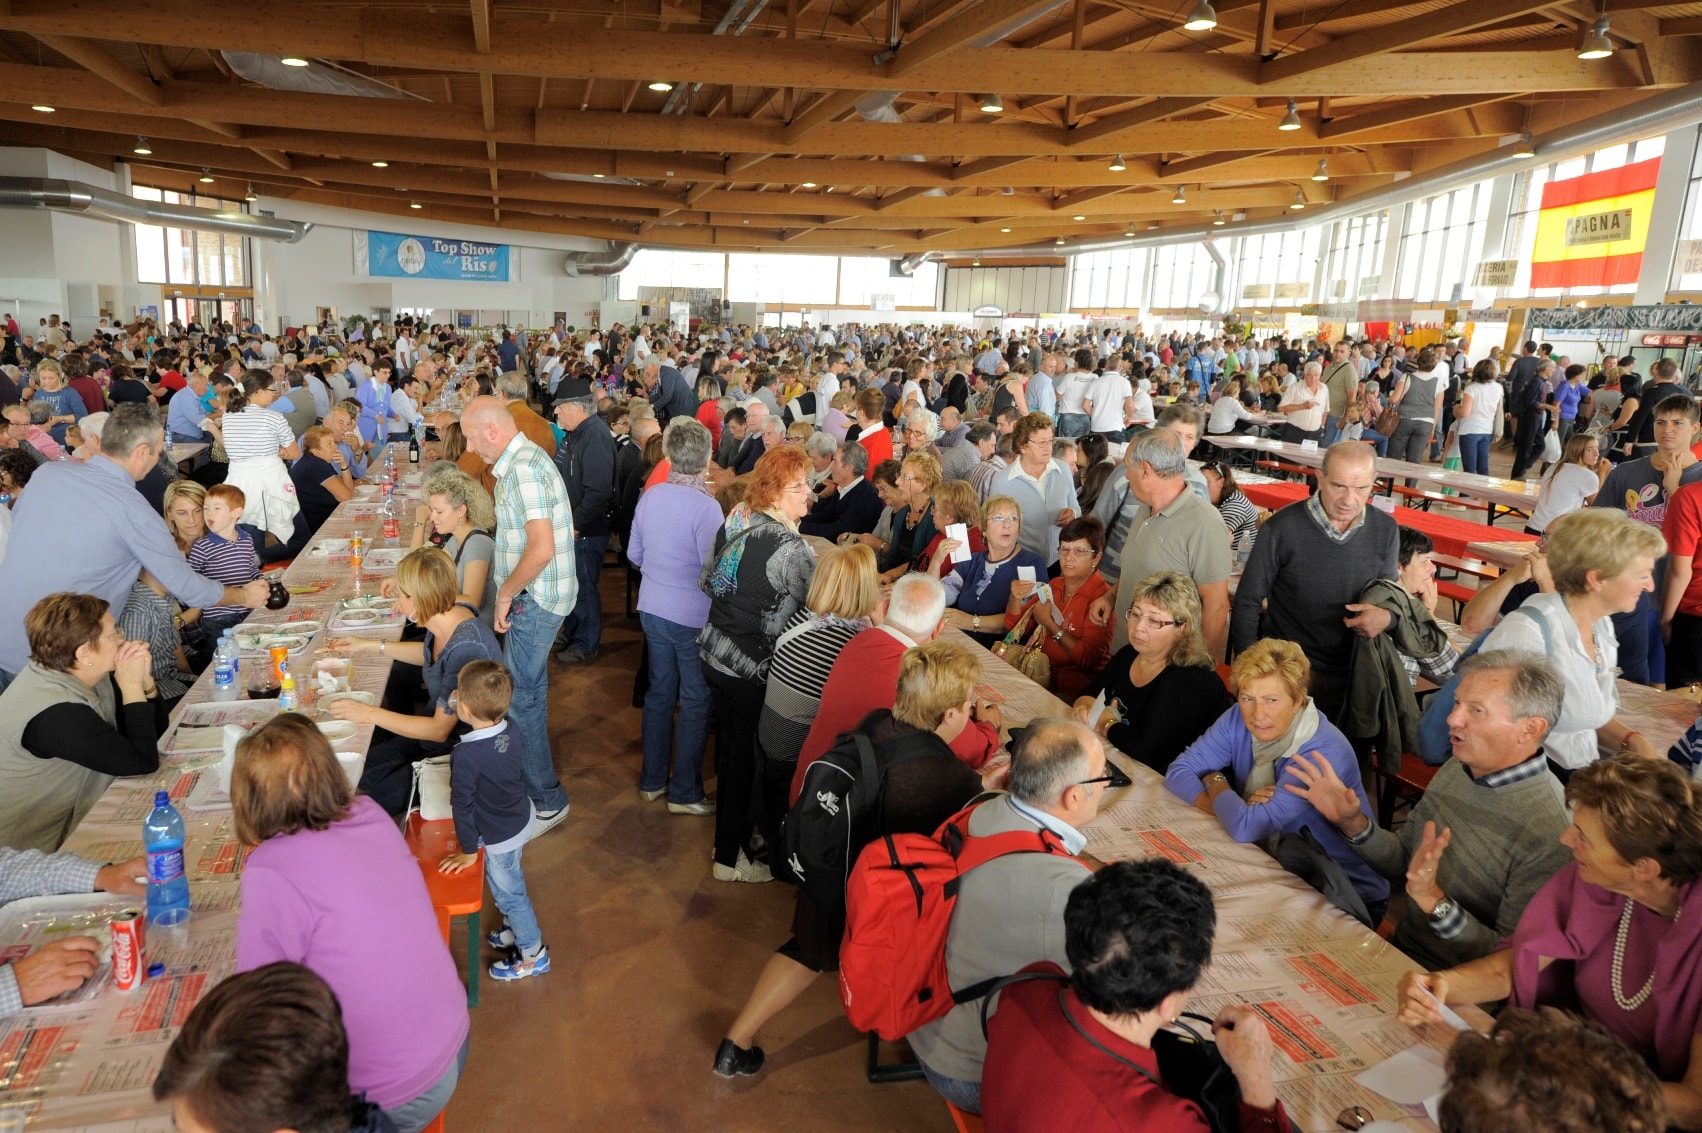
1309 17
1402 112
1113 124
1187 166
96 61
1359 46
981 19
434 42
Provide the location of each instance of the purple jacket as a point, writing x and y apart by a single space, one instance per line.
350 903
672 533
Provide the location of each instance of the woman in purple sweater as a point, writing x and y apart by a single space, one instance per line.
330 884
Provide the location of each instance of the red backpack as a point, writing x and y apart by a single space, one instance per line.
898 904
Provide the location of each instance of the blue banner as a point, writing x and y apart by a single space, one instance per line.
428 257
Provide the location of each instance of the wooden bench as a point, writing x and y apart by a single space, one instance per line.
1283 468
1456 592
1423 498
1406 785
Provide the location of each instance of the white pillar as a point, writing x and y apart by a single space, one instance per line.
1666 216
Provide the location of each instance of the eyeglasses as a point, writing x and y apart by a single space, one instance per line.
1004 519
1212 466
796 488
1150 622
1353 1117
1098 779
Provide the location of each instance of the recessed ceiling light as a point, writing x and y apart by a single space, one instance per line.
1059 240
1117 165
976 262
1004 230
381 165
415 205
1525 146
1291 120
598 176
1299 201
1322 173
1078 216
251 195
141 147
1218 219
992 104
1596 44
206 177
808 185
43 109
661 85
1181 197
293 61
1202 18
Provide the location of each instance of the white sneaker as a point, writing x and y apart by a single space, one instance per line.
547 820
743 870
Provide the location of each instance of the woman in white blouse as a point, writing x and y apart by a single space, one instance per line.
1571 484
1227 412
258 441
1602 560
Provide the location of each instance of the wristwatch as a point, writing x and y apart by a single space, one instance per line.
976 623
1059 636
1442 910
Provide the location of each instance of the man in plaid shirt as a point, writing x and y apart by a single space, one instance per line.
61 965
536 585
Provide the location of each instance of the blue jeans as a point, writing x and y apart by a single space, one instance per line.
676 671
964 1095
1332 430
583 627
508 888
1474 453
1377 440
526 651
1072 424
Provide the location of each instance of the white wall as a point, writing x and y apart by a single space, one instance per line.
1031 290
53 258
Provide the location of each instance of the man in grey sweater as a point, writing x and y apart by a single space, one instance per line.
1486 835
1010 911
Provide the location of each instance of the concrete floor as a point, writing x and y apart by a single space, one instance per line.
651 959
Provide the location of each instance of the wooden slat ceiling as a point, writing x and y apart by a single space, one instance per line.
538 114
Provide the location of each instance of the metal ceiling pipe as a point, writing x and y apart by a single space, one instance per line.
909 264
612 262
75 196
737 20
1661 114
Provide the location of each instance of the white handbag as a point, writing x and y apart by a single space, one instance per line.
431 789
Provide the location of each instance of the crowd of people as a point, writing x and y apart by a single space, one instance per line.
806 512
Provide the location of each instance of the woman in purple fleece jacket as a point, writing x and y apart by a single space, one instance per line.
330 884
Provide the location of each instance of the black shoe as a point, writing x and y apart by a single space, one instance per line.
573 655
732 1060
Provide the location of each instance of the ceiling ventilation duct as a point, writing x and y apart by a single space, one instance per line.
909 264
74 196
325 78
611 262
590 178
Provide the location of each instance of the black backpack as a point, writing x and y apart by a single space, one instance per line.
838 810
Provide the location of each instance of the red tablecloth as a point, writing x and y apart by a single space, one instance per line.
1450 535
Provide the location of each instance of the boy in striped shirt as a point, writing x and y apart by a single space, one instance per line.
224 554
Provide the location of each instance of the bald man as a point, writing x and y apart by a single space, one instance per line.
535 581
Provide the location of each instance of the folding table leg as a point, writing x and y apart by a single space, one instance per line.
473 961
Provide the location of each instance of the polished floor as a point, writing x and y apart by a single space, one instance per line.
651 959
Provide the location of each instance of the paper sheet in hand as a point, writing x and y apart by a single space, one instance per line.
1097 710
1025 574
1408 1077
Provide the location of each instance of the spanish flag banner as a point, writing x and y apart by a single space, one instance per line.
1591 230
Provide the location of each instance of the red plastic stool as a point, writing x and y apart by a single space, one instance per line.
452 894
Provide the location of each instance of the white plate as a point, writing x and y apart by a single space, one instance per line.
338 730
370 698
264 642
32 921
385 558
304 628
359 617
329 548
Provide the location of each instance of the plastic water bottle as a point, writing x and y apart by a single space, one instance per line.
168 885
288 700
392 522
390 464
224 667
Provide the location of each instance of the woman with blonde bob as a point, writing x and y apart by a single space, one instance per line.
1602 561
1232 772
1607 935
330 884
459 517
426 593
1161 690
936 686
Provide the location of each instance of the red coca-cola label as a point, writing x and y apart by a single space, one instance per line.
128 945
392 527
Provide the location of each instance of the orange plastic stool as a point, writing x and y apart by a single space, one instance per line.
966 1122
436 1125
452 894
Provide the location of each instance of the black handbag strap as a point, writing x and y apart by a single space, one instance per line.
1063 1005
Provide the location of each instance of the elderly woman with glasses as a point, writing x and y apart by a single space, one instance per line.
83 711
1161 690
1606 936
1233 770
1075 645
912 521
757 575
978 589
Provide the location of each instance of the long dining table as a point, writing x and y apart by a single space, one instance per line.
86 1061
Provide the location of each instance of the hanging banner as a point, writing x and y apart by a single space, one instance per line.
1592 229
397 255
1495 273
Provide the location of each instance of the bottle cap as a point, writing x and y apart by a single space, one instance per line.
156 970
162 798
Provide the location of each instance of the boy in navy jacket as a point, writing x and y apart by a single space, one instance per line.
487 788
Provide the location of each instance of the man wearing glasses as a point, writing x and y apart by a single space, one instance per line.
1010 912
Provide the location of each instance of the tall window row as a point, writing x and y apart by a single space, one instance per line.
796 281
187 255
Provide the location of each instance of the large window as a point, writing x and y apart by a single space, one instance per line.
1276 269
863 277
660 267
187 256
1441 242
795 281
1107 280
1181 275
1687 269
1355 265
1527 204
